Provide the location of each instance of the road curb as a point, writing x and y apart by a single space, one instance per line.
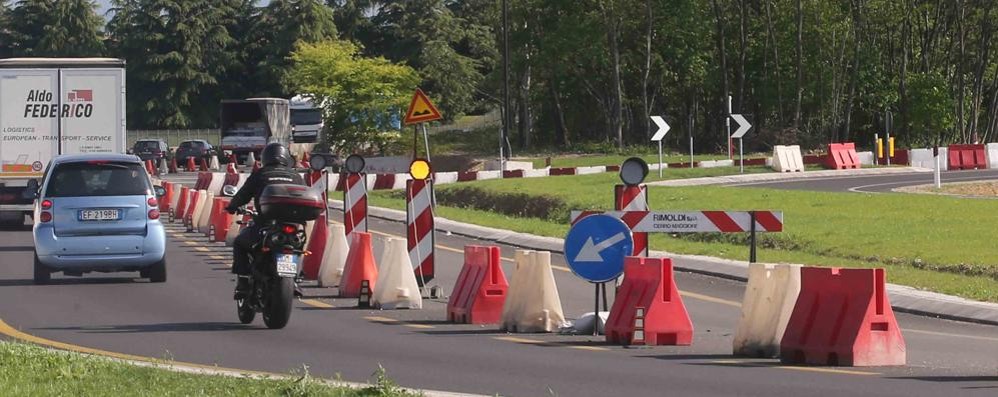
785 176
903 298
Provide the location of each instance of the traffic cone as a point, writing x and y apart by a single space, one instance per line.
397 286
190 165
163 170
335 257
149 168
173 165
203 166
250 159
360 266
214 164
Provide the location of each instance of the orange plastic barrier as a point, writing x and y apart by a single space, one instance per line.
360 266
481 288
164 202
967 157
316 248
842 156
190 166
188 216
178 213
150 169
843 317
649 285
220 220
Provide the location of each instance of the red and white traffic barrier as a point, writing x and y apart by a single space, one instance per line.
694 221
420 227
355 203
633 198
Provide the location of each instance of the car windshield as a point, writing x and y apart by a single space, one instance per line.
306 116
97 178
190 145
146 145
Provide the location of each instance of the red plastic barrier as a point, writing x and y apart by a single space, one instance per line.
164 202
481 288
219 219
512 174
341 183
562 171
842 156
384 181
843 317
900 158
649 284
203 181
753 162
967 157
682 165
612 168
813 159
360 266
467 176
316 249
231 180
257 166
191 167
204 165
191 204
178 213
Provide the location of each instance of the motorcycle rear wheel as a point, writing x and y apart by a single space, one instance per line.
277 308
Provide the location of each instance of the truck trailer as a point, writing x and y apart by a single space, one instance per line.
52 106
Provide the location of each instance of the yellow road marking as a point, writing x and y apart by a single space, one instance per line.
519 340
379 319
418 326
708 298
590 348
918 331
201 249
218 257
317 303
191 242
828 370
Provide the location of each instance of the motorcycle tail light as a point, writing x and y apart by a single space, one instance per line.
290 229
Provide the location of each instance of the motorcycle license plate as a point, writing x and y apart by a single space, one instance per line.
287 264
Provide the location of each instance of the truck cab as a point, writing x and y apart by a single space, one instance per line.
306 120
247 125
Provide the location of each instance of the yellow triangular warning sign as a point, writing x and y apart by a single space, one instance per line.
421 109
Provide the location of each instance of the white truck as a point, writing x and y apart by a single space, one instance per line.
306 120
52 106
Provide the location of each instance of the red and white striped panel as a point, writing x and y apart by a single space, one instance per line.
694 221
355 204
633 198
420 228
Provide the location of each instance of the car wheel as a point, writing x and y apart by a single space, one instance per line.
42 273
157 272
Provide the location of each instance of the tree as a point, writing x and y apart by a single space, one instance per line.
280 26
362 98
175 50
5 39
51 28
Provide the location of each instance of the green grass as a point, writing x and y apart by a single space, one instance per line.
942 244
591 160
28 370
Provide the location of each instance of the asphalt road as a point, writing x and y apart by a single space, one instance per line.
191 318
874 183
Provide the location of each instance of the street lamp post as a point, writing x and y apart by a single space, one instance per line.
506 116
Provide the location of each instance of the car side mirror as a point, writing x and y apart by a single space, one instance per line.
229 190
160 191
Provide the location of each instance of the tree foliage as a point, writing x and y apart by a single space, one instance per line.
281 25
362 98
45 28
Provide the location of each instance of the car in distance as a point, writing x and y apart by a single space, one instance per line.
198 149
151 149
98 212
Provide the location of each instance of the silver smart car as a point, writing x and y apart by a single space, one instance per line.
98 212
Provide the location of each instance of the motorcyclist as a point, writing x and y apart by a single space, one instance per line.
277 163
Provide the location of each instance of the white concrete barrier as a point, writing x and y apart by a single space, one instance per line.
992 154
787 159
175 198
198 209
396 287
441 178
865 158
922 158
335 256
217 181
213 164
532 303
590 170
483 175
204 220
400 180
536 173
716 163
769 301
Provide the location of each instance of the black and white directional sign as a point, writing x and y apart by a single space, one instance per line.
743 126
663 128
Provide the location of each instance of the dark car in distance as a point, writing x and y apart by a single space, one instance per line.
198 149
151 149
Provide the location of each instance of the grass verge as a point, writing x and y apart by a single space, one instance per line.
937 243
28 370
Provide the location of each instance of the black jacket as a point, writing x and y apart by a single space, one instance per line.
270 175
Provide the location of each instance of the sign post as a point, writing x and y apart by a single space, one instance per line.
421 110
743 128
595 249
663 128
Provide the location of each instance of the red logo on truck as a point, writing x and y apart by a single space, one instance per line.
81 96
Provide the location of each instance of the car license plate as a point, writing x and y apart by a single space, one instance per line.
287 264
100 215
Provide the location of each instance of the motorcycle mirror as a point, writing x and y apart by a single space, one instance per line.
317 162
229 190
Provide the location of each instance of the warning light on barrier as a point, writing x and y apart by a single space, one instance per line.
633 171
420 169
355 163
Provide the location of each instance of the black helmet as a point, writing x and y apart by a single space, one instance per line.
275 154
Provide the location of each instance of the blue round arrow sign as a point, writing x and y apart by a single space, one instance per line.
595 248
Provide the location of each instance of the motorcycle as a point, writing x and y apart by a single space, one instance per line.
276 257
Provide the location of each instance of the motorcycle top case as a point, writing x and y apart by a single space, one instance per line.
290 203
